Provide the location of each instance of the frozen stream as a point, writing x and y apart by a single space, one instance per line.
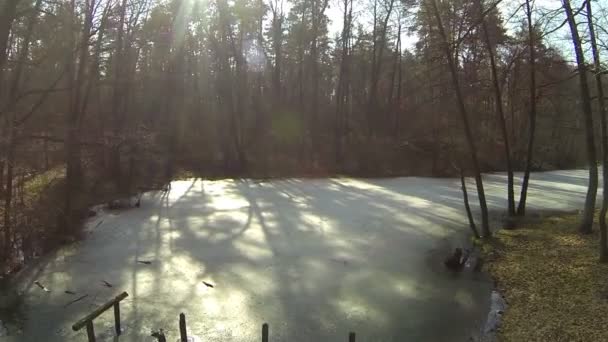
313 258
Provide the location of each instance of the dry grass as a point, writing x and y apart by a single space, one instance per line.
552 281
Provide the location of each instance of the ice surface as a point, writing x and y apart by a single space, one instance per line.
313 258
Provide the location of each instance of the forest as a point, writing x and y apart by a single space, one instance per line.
106 97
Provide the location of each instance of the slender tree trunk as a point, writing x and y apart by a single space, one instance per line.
317 15
485 226
371 98
467 207
225 87
8 194
117 100
241 98
277 45
72 141
171 80
397 127
342 87
378 53
95 62
3 146
602 107
500 112
2 168
392 92
589 209
301 43
521 208
46 153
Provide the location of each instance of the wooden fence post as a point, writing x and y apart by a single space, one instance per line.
117 318
90 331
265 332
182 328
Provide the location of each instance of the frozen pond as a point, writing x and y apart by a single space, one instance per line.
313 258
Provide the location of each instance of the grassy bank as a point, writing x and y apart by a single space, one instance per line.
552 281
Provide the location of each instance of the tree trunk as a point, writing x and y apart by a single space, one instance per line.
117 101
521 208
4 132
378 53
317 14
602 107
467 207
301 42
277 44
485 227
589 209
371 93
500 112
397 127
396 65
72 140
8 194
342 87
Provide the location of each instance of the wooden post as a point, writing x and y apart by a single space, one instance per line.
351 337
265 332
117 318
182 328
90 331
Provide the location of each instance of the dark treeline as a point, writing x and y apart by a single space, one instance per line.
125 93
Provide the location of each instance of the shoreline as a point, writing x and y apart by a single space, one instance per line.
551 278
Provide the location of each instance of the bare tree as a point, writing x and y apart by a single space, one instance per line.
589 209
318 13
597 65
499 110
521 208
378 44
118 92
276 7
343 86
449 55
72 139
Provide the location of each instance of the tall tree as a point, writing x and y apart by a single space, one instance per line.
589 210
379 38
278 17
499 109
521 208
118 92
449 55
343 85
318 18
74 118
597 70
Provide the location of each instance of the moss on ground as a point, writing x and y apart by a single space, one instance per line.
553 283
